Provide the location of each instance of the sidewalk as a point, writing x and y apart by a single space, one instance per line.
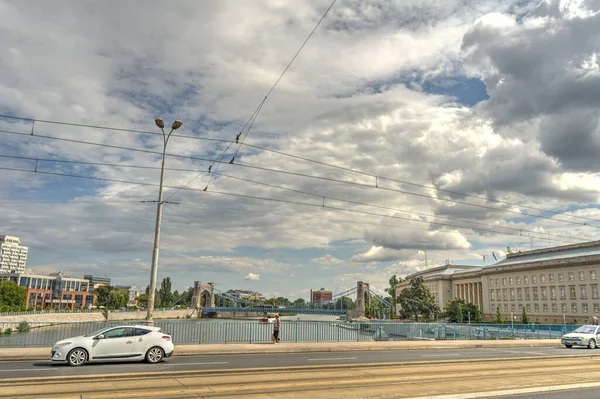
305 347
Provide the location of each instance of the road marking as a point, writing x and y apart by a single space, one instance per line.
441 354
12 371
334 358
185 364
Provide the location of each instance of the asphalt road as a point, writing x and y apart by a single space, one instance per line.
567 394
24 369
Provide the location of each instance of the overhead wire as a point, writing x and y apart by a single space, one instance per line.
324 197
357 184
236 195
218 160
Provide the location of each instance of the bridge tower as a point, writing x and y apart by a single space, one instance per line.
205 291
363 299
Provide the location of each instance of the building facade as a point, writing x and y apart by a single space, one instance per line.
55 291
552 285
97 281
321 296
13 256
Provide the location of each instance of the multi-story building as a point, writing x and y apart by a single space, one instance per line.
321 296
55 291
553 285
97 281
13 256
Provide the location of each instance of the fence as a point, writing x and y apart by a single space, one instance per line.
186 332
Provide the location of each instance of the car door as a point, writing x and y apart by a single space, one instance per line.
142 342
117 343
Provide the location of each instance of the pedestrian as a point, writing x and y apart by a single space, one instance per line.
275 337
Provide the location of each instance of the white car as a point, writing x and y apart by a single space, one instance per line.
115 343
587 335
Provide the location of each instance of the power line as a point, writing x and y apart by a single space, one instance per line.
255 114
324 206
295 191
305 176
230 142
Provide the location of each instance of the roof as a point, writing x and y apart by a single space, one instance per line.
446 270
550 254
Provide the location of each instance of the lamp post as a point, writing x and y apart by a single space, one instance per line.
152 291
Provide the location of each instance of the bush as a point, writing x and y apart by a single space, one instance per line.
8 331
23 327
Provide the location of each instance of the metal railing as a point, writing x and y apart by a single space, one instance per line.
41 334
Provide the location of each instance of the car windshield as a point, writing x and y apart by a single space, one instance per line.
585 330
96 332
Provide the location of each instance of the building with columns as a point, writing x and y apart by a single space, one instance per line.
553 285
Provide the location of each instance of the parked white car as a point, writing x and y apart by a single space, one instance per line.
587 335
115 343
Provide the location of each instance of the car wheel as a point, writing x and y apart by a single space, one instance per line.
568 346
155 354
592 344
77 357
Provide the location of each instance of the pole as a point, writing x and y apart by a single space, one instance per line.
154 270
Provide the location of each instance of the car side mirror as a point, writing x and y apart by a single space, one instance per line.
100 336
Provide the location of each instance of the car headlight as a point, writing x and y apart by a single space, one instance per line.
58 346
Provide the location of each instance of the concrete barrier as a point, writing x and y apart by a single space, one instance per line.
157 314
94 316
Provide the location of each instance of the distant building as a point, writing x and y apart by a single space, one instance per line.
13 256
321 296
97 281
55 291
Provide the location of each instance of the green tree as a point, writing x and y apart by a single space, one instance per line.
499 319
416 300
165 293
299 303
102 293
467 311
394 281
524 318
13 295
116 299
459 313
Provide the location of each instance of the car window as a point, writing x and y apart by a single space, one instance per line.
586 330
141 331
93 334
119 332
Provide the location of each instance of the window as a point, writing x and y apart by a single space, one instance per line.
572 293
527 296
561 277
119 332
512 294
584 307
519 294
542 278
528 307
581 276
491 282
506 307
504 281
512 307
554 308
594 291
535 293
574 307
537 307
518 280
545 307
596 307
563 307
583 290
497 282
492 296
525 280
504 294
553 293
544 294
592 274
498 297
563 292
520 307
511 281
571 278
551 277
533 279
141 331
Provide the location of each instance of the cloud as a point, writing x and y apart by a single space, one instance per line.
252 276
328 260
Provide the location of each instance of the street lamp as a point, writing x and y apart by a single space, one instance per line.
152 291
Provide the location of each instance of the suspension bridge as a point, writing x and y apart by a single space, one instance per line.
210 301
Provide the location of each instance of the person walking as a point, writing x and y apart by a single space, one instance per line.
276 326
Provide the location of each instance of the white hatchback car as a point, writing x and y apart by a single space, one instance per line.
115 343
587 335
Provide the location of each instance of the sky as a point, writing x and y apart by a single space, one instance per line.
406 134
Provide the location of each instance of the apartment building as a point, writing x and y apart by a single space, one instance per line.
553 285
13 256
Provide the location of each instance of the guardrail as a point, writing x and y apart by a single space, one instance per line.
203 332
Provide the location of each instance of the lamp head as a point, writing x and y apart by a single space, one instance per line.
177 124
159 122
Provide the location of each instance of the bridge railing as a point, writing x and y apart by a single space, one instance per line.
44 334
